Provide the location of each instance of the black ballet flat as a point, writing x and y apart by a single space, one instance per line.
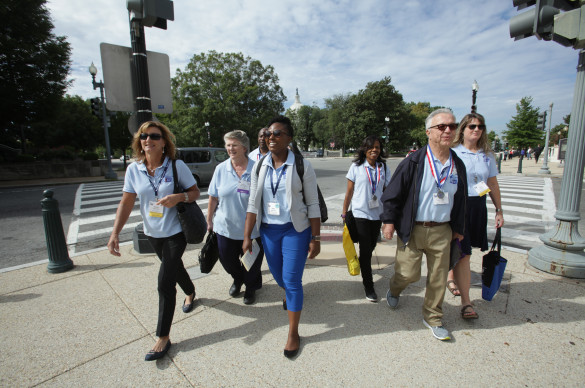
292 353
187 308
152 355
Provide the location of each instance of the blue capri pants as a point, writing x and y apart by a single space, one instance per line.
286 252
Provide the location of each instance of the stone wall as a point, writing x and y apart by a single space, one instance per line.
42 170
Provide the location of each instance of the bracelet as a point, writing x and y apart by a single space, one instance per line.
343 216
316 238
186 197
499 211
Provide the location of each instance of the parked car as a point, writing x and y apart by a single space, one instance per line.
320 153
202 161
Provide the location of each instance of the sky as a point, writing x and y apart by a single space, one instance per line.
433 50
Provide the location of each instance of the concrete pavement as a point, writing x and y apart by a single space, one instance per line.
93 325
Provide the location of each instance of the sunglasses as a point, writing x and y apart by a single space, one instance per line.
443 127
153 136
481 127
276 133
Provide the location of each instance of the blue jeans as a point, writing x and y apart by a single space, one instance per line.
286 252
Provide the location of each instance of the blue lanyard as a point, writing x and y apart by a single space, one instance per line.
279 176
155 188
374 180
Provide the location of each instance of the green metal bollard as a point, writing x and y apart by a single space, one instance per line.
59 260
500 163
520 164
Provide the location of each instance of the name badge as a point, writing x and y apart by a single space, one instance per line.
155 210
373 203
481 188
441 198
274 208
243 187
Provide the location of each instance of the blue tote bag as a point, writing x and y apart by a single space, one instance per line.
493 269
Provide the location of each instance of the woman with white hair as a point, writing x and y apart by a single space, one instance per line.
229 192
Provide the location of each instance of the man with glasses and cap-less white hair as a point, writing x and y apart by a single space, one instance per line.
425 204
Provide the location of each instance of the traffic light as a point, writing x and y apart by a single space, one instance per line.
152 13
96 107
541 122
546 21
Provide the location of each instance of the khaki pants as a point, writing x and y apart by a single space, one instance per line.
435 243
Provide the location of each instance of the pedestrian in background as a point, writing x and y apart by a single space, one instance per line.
151 178
366 180
473 147
287 210
229 192
262 149
425 204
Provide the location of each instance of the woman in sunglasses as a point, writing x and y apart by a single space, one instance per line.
473 147
151 178
290 220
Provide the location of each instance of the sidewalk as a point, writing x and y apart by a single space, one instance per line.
93 325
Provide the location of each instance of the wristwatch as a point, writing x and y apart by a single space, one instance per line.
186 197
499 210
316 238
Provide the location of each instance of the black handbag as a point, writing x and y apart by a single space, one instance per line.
190 216
494 266
209 254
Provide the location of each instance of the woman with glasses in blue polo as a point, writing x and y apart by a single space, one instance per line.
151 178
290 220
473 147
229 192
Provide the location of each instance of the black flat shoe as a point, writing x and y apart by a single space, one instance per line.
249 296
235 289
188 307
292 353
284 304
152 355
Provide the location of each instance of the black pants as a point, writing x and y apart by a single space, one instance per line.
172 271
229 256
368 231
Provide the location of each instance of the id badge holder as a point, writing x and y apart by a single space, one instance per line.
481 188
243 187
155 210
444 200
274 208
373 203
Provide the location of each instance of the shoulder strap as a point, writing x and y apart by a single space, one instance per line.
176 178
299 163
259 166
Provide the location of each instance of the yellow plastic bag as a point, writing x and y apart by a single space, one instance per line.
353 264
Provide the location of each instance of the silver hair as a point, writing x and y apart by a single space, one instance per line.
239 136
437 112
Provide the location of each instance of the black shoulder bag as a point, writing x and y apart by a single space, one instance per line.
190 215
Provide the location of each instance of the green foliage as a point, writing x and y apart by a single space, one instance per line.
560 131
522 129
227 90
304 120
34 64
89 156
63 153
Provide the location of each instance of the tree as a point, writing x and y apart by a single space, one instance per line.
335 124
229 91
366 112
304 120
560 131
34 64
522 129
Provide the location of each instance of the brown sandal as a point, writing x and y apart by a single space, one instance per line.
466 314
453 290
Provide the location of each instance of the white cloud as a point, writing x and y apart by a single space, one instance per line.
432 50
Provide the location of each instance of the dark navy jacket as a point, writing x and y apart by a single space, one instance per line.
400 199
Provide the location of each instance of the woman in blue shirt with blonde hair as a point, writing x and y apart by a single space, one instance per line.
229 192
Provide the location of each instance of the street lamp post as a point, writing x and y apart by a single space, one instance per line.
110 174
474 88
208 134
544 169
386 128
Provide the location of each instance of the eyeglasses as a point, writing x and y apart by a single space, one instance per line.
276 133
442 127
153 136
481 127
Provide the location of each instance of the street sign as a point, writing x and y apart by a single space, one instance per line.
117 70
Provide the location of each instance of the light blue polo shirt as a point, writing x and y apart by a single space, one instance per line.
479 167
230 214
255 155
427 210
362 191
280 197
137 181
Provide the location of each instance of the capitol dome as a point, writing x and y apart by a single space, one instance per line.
297 104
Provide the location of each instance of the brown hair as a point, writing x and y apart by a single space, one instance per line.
167 136
483 142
